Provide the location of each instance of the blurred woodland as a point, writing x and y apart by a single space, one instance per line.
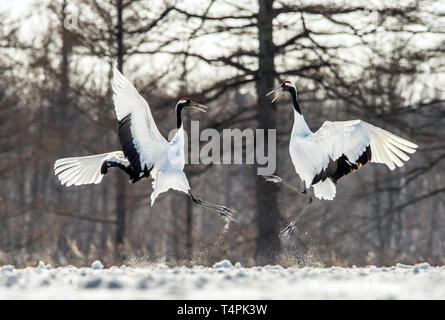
383 64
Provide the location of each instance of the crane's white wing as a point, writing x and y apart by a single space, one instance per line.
141 140
85 170
339 148
352 138
333 137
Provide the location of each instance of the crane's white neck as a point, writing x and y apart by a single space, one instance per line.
300 127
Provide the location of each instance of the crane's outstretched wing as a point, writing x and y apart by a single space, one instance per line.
86 170
351 144
141 141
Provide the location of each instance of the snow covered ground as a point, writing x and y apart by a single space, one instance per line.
222 281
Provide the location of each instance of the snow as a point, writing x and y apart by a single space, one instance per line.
42 265
223 264
97 265
223 280
7 267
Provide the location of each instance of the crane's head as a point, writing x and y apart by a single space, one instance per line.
285 86
184 103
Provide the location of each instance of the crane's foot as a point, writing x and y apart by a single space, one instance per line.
284 234
219 207
272 178
291 226
277 179
226 216
224 212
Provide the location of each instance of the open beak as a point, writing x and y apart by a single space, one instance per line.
199 107
277 91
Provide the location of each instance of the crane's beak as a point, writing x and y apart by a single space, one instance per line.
277 91
199 107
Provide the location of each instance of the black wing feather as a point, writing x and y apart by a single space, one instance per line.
126 140
342 166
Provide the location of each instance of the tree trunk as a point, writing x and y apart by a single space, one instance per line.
377 208
268 243
188 203
121 181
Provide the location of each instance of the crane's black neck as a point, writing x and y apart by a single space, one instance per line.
293 93
179 108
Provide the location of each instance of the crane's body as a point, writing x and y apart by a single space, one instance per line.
335 150
145 152
168 170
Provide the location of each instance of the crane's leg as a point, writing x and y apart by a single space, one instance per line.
277 179
226 213
288 229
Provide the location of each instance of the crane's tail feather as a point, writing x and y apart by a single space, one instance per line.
325 189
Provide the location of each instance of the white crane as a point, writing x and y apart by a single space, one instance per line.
335 150
145 151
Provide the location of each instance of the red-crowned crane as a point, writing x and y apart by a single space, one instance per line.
338 148
145 152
